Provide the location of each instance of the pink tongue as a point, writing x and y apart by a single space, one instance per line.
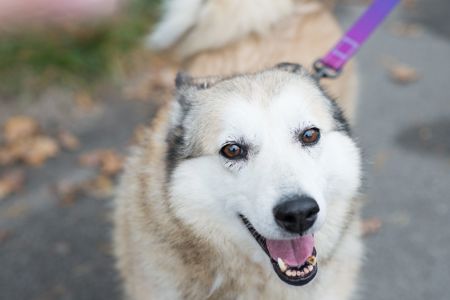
293 252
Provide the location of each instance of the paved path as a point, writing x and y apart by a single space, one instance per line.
60 252
405 134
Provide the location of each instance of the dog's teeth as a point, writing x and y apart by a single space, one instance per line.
312 260
310 268
289 273
282 265
298 273
302 273
306 271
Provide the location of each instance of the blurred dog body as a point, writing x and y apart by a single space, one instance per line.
179 230
226 37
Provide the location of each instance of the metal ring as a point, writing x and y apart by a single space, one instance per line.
324 71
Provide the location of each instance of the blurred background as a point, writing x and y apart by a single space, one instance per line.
77 85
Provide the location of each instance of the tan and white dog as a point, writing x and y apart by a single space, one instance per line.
246 185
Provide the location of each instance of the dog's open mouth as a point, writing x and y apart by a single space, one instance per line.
293 260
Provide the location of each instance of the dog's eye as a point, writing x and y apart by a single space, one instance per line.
310 136
232 151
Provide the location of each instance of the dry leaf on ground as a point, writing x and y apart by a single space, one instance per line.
403 74
14 152
68 192
19 127
84 101
6 157
11 182
109 161
90 159
371 226
24 143
100 187
68 141
39 149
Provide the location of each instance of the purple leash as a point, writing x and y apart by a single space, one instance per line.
331 64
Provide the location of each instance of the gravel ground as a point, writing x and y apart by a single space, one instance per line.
63 252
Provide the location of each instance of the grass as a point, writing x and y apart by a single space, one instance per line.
69 55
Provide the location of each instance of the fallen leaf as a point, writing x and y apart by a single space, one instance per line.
68 141
68 192
19 127
90 159
11 182
100 187
108 161
84 101
403 74
6 157
111 162
14 152
371 226
40 149
33 150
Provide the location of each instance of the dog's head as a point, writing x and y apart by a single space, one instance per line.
269 152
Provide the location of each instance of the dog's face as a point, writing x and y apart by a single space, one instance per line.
267 151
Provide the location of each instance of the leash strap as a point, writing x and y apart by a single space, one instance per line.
331 64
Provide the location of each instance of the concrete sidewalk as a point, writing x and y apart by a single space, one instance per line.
405 134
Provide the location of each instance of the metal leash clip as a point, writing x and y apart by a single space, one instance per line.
330 65
321 70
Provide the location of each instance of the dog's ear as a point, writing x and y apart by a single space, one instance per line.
291 67
187 86
185 81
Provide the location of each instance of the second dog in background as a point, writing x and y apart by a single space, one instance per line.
228 37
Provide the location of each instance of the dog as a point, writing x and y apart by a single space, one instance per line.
227 37
247 184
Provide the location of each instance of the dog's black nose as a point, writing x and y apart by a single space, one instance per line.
296 213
